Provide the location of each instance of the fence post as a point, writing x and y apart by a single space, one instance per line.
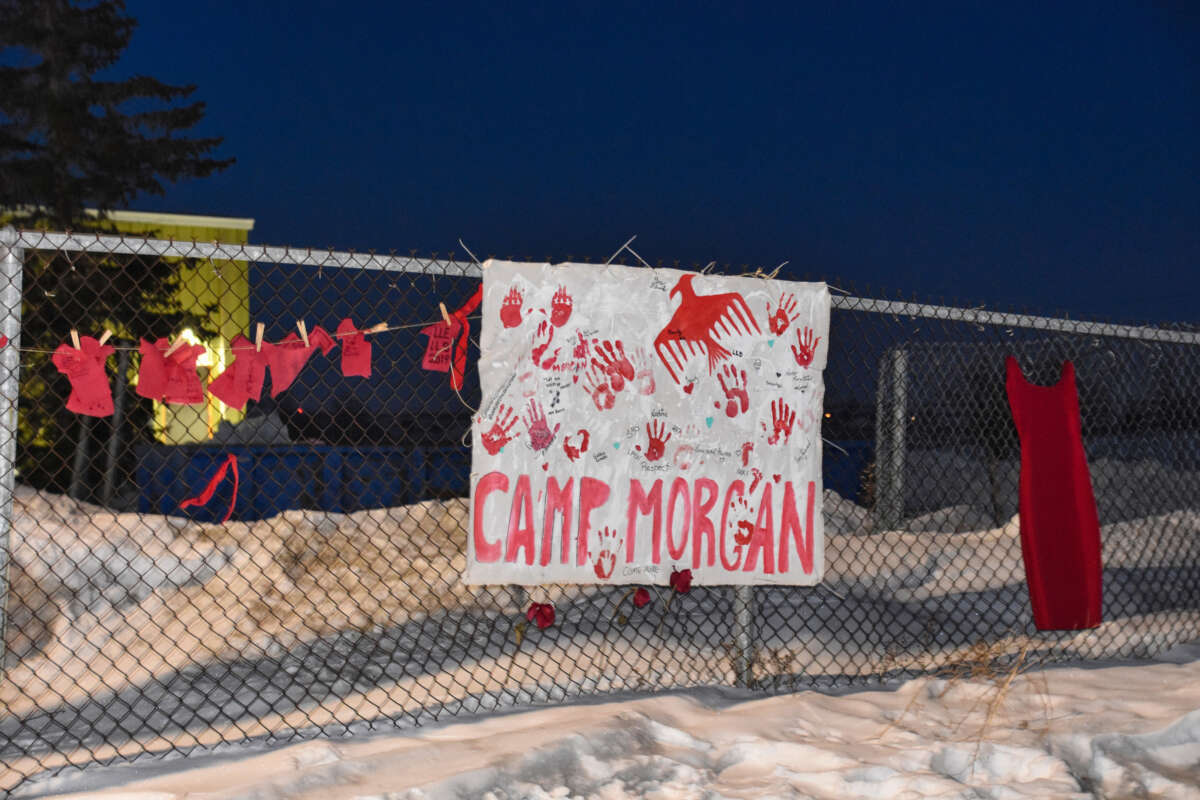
743 636
118 420
79 463
891 423
12 259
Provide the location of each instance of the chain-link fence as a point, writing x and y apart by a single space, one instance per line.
331 600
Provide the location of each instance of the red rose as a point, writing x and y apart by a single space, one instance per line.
541 613
681 581
641 597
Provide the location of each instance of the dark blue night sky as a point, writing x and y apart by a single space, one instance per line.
1042 155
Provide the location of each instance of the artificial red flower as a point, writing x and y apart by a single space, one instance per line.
681 581
541 613
641 597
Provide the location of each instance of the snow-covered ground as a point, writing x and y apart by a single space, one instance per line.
1117 730
131 634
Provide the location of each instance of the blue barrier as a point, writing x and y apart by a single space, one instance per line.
275 478
842 471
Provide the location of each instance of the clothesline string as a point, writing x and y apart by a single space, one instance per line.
343 334
384 329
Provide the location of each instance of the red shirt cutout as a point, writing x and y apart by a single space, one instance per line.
243 379
288 357
356 350
183 384
173 378
152 374
1060 531
84 368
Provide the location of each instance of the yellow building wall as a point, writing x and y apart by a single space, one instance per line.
225 284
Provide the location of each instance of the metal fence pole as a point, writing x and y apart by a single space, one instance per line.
743 635
891 423
118 420
11 265
79 463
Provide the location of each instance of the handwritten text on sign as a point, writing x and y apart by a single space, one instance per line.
635 420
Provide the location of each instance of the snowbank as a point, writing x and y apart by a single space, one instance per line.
1115 731
134 633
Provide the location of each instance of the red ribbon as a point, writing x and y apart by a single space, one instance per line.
207 494
460 349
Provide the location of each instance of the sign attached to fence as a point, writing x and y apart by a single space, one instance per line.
635 421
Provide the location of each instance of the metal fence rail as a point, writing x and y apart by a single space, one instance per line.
331 601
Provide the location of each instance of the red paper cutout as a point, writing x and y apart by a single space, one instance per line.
464 336
540 613
356 350
243 379
3 340
440 349
90 391
681 580
218 476
183 384
697 322
288 357
152 374
1060 531
170 378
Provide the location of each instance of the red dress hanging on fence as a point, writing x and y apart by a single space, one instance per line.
1060 532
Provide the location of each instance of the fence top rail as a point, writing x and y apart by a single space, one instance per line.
169 248
226 251
979 316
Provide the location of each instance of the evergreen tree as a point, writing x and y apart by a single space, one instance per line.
71 140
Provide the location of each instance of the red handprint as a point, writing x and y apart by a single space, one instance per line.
805 348
595 385
540 435
560 308
606 561
782 420
541 343
571 450
655 443
577 362
499 435
740 515
735 391
510 309
614 363
643 372
784 314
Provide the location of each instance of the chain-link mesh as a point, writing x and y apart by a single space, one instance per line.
332 601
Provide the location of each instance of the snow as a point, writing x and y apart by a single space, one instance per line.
1128 729
134 634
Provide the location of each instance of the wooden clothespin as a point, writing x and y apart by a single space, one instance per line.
445 314
174 346
104 336
303 332
258 336
75 339
377 328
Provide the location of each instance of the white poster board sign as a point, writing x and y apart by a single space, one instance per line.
635 421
